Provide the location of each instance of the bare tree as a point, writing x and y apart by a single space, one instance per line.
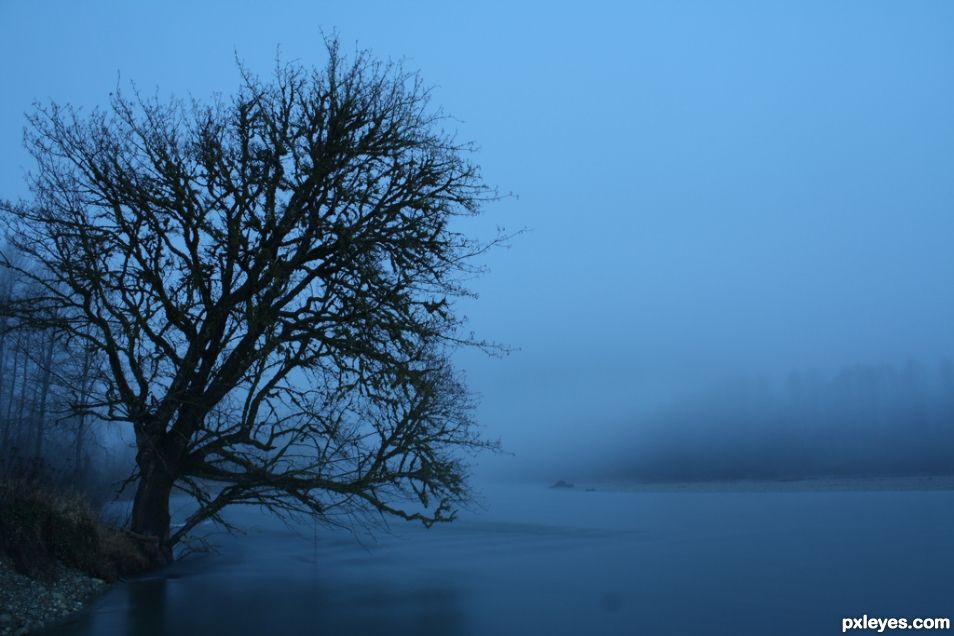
271 281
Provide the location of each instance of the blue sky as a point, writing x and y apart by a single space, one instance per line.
713 188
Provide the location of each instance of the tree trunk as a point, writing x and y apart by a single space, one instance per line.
7 424
13 382
84 397
25 384
40 422
150 515
78 444
3 355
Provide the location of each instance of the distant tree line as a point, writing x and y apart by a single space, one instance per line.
867 420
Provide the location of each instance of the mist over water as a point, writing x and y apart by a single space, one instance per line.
864 421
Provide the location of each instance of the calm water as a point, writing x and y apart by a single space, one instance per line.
541 561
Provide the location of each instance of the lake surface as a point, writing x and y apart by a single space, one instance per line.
534 560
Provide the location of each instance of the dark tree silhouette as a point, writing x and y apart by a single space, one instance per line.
270 279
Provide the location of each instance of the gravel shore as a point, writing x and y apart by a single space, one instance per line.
27 605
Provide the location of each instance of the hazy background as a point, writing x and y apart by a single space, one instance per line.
716 190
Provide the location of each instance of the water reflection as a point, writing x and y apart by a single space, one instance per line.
146 606
211 605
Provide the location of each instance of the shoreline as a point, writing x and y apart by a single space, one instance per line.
811 484
56 554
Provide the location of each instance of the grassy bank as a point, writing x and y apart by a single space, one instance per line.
40 528
55 553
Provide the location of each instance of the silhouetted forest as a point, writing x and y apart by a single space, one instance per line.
45 382
866 420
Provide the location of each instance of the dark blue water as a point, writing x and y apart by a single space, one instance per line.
542 561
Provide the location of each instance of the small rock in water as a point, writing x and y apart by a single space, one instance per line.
562 484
